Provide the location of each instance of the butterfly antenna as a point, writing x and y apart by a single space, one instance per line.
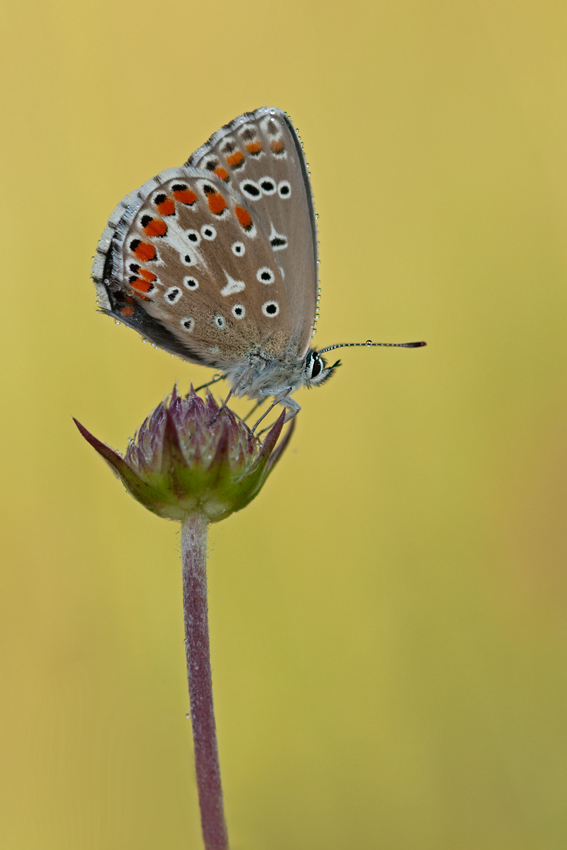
370 344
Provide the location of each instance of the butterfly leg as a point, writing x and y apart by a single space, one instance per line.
215 380
253 409
232 392
226 401
293 408
290 414
282 398
221 408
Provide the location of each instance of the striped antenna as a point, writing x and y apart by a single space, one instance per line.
370 344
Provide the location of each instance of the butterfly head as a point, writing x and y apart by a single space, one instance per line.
316 371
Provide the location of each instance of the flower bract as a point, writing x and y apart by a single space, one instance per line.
192 455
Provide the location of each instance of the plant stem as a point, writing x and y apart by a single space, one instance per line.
194 557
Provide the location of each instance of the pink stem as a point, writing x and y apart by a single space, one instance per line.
194 556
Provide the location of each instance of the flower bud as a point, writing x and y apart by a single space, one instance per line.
190 455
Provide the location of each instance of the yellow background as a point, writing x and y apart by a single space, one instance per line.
389 617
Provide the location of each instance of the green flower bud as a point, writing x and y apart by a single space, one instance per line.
190 455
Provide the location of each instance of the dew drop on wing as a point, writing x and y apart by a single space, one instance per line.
368 342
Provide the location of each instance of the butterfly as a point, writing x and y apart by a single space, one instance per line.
217 261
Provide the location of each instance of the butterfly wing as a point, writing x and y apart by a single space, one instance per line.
260 155
186 263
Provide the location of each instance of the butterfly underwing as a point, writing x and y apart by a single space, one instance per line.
216 260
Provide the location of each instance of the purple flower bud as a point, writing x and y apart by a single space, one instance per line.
190 455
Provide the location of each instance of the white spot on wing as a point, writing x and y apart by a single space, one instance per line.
250 190
194 236
232 286
173 294
271 127
277 240
271 309
265 275
178 239
267 185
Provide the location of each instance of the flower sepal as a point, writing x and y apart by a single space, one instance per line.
192 455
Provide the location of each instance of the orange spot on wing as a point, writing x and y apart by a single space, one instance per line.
235 159
217 203
278 146
244 217
185 196
141 285
127 311
156 227
254 147
147 274
144 252
221 172
166 207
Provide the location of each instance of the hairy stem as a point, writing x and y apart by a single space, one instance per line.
194 556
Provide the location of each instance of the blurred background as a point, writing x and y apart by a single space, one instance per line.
389 617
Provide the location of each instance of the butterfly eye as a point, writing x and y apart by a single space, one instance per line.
191 283
284 189
238 248
220 322
194 236
208 232
238 311
316 367
188 324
